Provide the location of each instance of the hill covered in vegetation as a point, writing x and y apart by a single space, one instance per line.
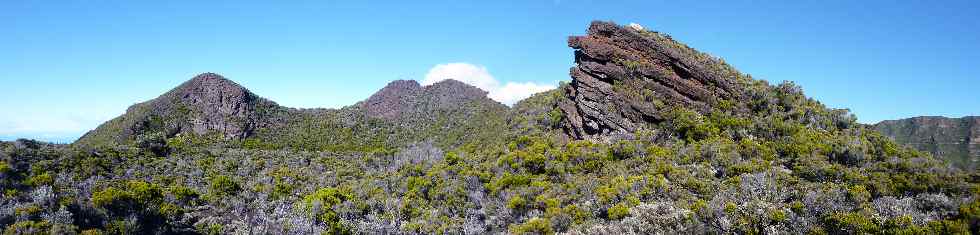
649 136
954 139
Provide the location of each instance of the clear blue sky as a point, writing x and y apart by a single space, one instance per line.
67 66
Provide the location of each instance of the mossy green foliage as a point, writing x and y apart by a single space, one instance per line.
533 226
222 186
618 211
27 227
320 204
134 196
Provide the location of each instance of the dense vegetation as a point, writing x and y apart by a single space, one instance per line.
787 164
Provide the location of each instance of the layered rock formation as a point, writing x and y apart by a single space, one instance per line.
626 77
955 139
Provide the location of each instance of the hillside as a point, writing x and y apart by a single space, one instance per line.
210 109
954 139
648 136
208 103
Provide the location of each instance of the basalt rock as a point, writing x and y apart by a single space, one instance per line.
216 105
406 98
388 103
627 77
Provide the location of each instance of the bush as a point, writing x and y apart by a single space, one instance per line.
136 196
40 179
849 222
184 194
533 226
618 211
319 205
28 227
5 168
224 186
114 201
517 202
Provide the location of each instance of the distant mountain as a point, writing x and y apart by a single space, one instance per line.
954 139
206 104
404 99
212 107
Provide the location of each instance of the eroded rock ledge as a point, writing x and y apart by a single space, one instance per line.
627 77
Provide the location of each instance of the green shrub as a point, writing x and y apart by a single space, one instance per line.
777 215
618 211
40 179
28 227
858 194
224 186
319 205
517 202
533 226
27 211
849 222
281 189
145 193
184 194
211 229
91 232
452 158
509 180
136 196
5 168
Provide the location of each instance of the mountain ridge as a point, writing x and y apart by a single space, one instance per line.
954 139
210 104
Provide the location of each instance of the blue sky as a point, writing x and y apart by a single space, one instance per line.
67 66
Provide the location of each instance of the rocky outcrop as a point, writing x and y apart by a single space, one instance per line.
626 77
954 139
214 104
389 102
406 98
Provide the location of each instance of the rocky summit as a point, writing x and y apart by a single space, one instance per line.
954 139
406 97
216 104
206 104
626 76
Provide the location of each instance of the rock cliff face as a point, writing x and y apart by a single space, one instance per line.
626 77
955 139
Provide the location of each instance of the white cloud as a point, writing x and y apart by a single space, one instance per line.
512 92
478 76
